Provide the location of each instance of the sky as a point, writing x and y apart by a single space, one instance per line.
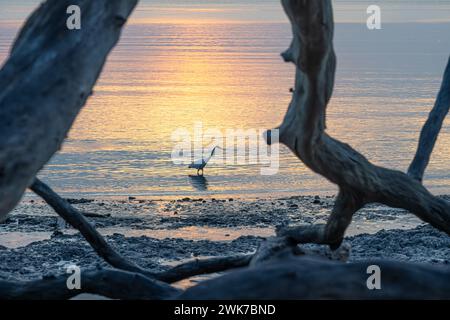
198 11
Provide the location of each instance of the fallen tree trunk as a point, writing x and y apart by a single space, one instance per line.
45 82
306 278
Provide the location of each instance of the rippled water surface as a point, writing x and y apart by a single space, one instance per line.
163 77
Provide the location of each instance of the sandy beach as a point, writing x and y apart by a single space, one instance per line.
158 234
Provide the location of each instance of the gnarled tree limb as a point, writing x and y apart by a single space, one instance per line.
45 82
303 131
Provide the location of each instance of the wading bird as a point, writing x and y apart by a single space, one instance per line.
199 164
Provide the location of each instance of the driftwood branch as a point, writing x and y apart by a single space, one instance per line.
303 131
431 129
114 284
307 278
45 82
79 222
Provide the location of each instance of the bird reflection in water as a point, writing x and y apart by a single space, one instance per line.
198 182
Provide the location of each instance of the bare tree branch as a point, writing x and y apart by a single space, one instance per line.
114 284
303 131
431 129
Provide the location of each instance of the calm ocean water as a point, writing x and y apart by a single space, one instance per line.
162 77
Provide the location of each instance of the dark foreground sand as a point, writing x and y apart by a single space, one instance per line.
158 234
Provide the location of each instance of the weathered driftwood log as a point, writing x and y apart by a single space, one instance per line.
306 278
431 128
114 284
303 131
45 82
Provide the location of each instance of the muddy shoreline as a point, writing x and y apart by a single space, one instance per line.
34 242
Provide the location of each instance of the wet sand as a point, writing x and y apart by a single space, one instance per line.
158 234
